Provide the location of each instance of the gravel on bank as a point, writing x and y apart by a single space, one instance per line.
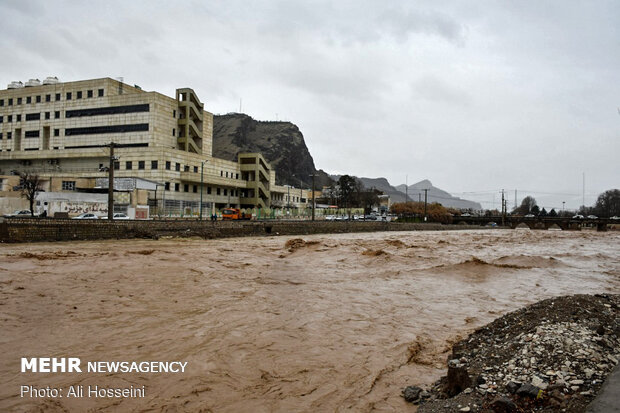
553 355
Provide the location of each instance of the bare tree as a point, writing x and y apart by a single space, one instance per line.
30 185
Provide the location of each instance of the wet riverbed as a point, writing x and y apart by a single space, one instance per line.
336 322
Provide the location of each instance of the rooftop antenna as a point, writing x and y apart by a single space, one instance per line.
240 105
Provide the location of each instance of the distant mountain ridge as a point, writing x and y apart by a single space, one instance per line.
283 146
435 194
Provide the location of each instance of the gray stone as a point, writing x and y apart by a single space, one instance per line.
503 405
412 393
528 390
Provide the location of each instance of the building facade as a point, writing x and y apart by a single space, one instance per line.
62 131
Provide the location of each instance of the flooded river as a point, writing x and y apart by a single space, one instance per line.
331 323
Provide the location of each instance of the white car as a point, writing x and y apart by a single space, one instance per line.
615 217
20 213
530 216
86 215
117 215
592 217
578 216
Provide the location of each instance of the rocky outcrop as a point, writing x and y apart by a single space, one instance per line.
281 143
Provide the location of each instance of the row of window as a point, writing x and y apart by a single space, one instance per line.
208 189
48 97
30 116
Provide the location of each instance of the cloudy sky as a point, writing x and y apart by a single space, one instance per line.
475 96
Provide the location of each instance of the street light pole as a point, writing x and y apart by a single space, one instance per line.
313 203
111 184
202 173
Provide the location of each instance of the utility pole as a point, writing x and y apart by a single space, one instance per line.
406 188
425 202
202 174
503 208
313 203
111 184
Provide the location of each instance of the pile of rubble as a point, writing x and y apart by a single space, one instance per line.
551 356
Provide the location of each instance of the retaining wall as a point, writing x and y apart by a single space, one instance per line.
34 230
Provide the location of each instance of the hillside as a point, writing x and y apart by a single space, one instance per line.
281 143
435 194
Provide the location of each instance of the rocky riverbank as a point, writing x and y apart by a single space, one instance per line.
550 356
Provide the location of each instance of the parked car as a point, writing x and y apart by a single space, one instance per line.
530 216
370 217
117 215
592 217
86 215
577 216
615 217
466 214
20 213
330 217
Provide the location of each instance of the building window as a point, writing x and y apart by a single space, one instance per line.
140 164
100 93
153 164
48 98
56 132
236 176
57 114
226 174
208 190
186 168
47 115
31 134
0 136
68 96
218 191
225 191
1 118
174 113
1 102
19 118
177 167
11 102
167 165
195 169
9 118
38 99
167 186
68 185
29 99
221 173
176 187
117 165
19 101
128 165
195 189
174 132
79 95
186 188
141 127
57 97
33 116
89 94
9 135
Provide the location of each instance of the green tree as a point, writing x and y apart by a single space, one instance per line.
552 213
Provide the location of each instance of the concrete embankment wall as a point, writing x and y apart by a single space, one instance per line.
35 230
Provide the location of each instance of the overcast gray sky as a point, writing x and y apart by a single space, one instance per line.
475 96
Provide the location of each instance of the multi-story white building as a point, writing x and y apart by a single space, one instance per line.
63 131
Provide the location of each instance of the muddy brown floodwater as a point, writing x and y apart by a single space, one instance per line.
333 323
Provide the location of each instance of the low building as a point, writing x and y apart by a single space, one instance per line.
62 131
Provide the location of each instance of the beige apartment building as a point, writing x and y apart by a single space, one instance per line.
62 132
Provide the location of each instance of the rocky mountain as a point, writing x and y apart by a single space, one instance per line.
435 194
281 143
384 186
